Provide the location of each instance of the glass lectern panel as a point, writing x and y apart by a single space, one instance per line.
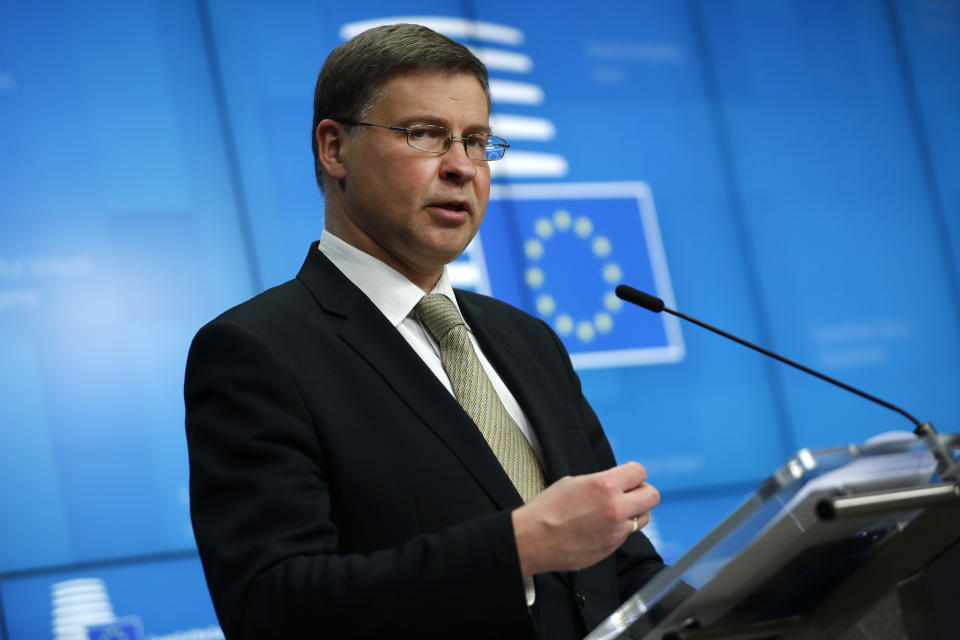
774 556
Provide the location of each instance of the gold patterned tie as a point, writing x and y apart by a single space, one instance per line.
477 396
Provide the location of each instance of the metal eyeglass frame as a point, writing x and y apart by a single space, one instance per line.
494 143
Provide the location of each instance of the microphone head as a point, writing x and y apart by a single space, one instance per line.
640 298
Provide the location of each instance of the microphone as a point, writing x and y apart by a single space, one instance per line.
924 430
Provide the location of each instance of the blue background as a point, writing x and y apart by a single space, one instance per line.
155 169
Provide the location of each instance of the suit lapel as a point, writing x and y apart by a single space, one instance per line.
375 340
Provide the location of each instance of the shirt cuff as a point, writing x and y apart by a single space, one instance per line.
530 590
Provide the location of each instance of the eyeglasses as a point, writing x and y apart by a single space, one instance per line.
436 139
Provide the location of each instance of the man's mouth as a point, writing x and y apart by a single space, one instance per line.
452 205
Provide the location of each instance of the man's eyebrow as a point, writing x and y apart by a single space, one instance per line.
479 128
426 118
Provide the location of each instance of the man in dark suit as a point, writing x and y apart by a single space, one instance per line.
349 472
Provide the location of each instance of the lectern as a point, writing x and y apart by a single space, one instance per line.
833 542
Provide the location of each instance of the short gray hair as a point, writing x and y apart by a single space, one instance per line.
355 72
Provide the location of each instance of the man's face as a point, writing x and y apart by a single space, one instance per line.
414 210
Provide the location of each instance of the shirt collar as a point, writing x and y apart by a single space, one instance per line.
388 289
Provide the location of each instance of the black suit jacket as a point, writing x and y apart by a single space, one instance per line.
339 491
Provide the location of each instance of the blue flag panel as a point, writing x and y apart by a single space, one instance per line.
559 251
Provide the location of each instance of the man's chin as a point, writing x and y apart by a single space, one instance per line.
447 245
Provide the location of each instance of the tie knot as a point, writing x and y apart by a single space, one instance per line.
438 314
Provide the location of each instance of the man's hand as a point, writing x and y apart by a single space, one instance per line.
580 520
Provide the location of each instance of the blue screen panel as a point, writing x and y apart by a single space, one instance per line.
851 269
931 39
119 239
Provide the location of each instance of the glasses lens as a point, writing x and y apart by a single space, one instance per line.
427 137
476 145
483 146
493 148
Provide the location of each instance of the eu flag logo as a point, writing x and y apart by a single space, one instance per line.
559 250
126 628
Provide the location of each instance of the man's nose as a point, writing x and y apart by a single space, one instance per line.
455 164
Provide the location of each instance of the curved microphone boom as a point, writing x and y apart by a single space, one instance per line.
923 430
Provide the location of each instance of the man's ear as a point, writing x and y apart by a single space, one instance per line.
331 139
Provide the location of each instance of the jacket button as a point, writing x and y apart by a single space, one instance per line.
582 599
